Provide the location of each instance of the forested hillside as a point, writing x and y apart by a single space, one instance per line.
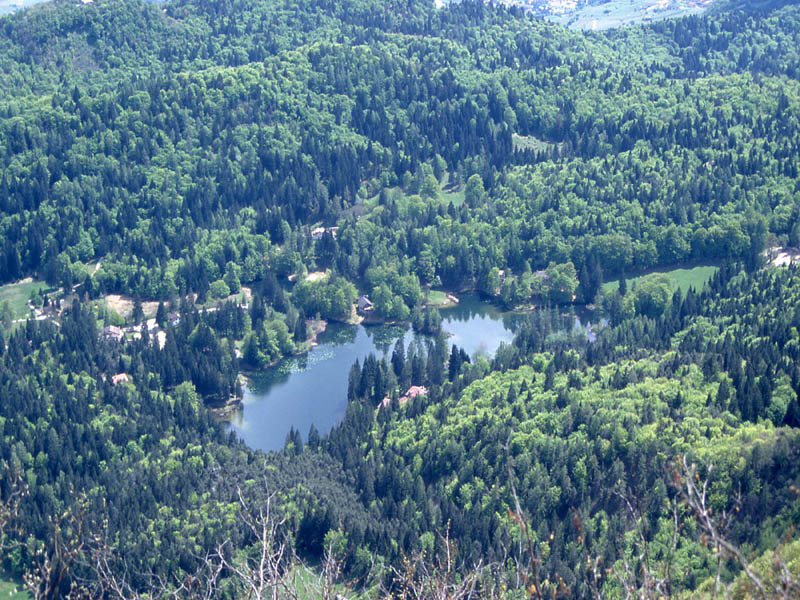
583 432
251 168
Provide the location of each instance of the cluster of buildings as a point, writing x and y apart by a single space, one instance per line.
546 8
51 309
411 393
134 332
318 232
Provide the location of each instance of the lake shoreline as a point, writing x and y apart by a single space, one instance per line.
473 304
312 388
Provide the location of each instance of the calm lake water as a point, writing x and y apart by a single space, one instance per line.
312 388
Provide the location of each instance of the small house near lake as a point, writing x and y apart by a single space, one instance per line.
411 393
364 305
318 232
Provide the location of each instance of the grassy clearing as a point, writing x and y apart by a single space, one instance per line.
307 582
123 305
436 298
17 295
456 197
682 279
451 192
11 588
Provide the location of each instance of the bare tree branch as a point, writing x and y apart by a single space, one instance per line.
51 563
422 579
694 492
265 574
9 508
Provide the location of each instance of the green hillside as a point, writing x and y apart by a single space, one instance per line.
203 184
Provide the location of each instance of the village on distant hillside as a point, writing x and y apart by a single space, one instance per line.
604 14
562 7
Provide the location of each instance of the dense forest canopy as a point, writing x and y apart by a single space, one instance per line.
176 143
210 157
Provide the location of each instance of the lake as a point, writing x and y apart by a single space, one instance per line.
312 388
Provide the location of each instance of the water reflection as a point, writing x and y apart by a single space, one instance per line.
385 336
338 334
312 388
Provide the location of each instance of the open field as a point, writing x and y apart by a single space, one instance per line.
123 305
456 196
17 295
451 192
435 298
11 589
308 580
682 279
316 275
